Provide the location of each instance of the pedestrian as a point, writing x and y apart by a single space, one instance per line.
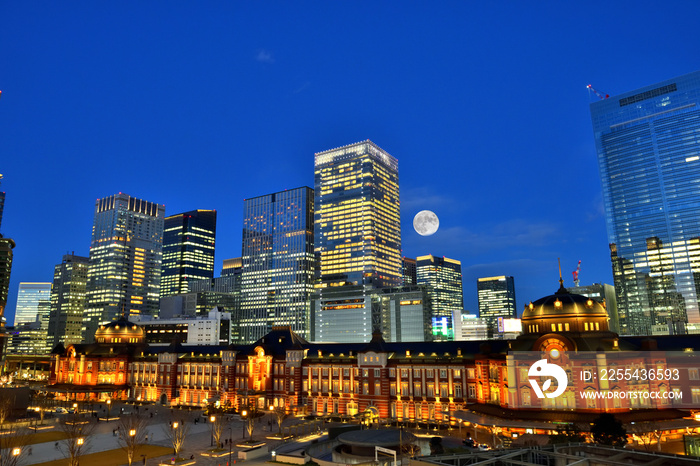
56 445
29 452
146 438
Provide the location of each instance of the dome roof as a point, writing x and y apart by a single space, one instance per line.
564 304
120 331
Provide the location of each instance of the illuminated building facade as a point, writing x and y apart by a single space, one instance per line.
277 262
358 239
405 381
605 294
649 162
357 220
126 255
29 297
188 250
496 299
68 300
409 271
444 277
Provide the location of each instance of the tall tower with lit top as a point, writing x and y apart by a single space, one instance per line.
125 260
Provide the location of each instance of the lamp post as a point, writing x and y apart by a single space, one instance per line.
212 419
109 408
244 415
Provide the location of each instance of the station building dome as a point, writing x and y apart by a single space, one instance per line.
120 331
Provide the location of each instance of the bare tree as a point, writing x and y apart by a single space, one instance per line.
77 442
7 403
251 414
280 415
646 433
13 447
132 434
41 401
218 428
176 433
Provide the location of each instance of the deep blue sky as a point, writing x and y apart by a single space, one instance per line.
202 104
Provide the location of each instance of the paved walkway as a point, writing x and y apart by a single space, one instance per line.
198 438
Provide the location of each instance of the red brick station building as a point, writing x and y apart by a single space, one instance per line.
415 382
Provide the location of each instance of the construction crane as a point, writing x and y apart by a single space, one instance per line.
576 272
599 94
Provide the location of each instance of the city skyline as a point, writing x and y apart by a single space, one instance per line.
492 134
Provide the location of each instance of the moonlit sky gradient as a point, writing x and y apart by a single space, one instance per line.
202 104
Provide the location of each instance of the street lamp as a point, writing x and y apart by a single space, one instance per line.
16 451
109 408
244 415
212 419
132 432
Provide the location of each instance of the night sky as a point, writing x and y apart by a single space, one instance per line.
198 105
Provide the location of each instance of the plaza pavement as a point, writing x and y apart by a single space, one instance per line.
198 438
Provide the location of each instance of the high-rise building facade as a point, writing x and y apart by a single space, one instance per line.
2 203
358 238
357 220
30 296
126 255
604 294
188 250
444 277
68 300
278 262
409 271
648 144
496 299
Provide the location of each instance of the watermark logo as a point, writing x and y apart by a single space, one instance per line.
542 368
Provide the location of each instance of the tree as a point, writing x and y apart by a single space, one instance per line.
7 403
646 433
607 430
280 415
77 442
436 447
133 434
569 434
176 433
13 447
217 428
251 414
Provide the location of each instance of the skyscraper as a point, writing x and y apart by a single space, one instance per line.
444 276
68 300
2 203
648 144
188 250
125 260
409 271
496 299
278 262
29 297
357 220
358 239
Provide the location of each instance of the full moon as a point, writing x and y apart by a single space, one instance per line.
425 223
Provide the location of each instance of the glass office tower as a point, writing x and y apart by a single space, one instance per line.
278 263
68 300
358 222
358 239
648 144
126 255
188 250
444 276
29 297
496 299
